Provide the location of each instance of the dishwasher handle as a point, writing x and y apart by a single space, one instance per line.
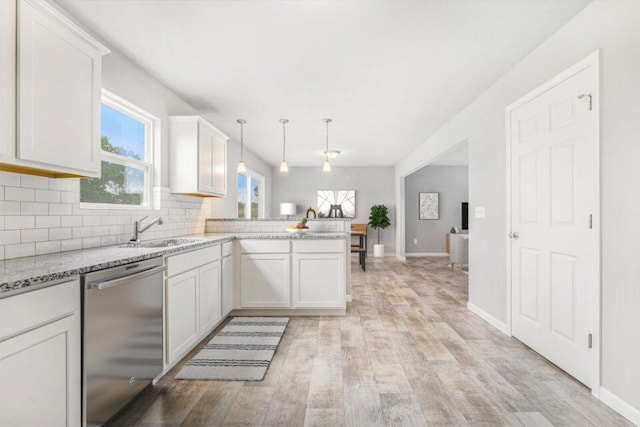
124 279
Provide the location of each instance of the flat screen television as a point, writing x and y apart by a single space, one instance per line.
465 215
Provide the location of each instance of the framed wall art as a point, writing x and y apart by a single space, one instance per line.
428 205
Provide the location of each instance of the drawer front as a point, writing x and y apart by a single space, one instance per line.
227 248
25 311
177 264
319 246
264 246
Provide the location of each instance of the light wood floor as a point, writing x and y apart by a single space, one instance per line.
408 352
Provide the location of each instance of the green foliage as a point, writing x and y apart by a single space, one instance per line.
379 218
111 187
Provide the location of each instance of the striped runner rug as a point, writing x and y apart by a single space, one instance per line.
241 351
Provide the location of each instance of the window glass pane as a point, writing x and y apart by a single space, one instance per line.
242 195
256 197
122 134
119 184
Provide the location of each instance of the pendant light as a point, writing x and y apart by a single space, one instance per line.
327 166
283 166
241 167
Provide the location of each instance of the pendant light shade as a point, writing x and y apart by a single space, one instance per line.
241 166
283 166
327 166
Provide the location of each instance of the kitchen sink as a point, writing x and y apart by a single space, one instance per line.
166 243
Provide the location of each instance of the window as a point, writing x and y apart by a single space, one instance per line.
126 149
250 195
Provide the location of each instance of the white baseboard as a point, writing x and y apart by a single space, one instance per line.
422 254
620 406
499 325
401 257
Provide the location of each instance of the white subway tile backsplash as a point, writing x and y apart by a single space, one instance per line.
34 235
9 208
47 247
8 178
20 250
19 222
34 181
51 196
41 215
47 221
20 194
9 237
70 221
34 208
60 233
60 209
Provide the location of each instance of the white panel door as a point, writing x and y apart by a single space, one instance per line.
206 147
40 376
264 280
554 186
318 280
59 80
210 304
182 329
227 285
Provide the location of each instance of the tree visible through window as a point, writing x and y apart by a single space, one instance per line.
250 195
126 146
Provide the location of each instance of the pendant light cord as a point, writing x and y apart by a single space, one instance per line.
241 142
327 150
284 140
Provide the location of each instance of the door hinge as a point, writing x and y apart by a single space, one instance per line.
585 95
590 221
590 340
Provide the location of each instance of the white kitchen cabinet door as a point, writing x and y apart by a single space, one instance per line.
265 280
209 299
58 98
182 314
206 152
40 375
227 285
198 157
319 280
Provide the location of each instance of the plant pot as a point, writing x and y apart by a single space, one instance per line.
378 251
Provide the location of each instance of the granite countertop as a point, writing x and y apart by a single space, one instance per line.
293 218
16 275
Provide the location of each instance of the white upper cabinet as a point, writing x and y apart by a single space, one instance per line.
198 163
58 71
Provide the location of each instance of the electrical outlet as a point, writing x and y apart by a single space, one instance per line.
415 241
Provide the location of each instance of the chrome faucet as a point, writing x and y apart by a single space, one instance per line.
137 231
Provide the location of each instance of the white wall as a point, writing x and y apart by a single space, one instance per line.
614 27
373 186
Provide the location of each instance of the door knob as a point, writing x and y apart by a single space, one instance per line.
514 235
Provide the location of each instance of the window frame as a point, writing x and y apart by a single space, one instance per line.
261 207
151 136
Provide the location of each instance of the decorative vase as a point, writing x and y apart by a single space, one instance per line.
378 251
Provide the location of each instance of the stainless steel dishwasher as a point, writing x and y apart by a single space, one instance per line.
122 336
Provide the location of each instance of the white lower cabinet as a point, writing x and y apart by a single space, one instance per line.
227 285
265 280
210 309
182 314
318 280
193 299
40 357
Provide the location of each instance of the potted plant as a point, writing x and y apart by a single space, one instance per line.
379 220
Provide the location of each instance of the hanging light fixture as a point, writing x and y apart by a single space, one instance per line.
283 166
327 166
241 167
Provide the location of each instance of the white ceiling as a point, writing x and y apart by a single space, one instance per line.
389 73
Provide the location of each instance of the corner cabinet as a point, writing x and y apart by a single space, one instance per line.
40 357
198 162
57 67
